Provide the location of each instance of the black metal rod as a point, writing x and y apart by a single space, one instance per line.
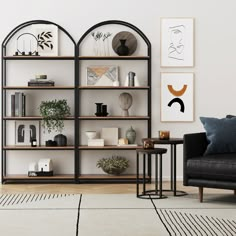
137 174
156 173
144 173
160 176
171 167
174 156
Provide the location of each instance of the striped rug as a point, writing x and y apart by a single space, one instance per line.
116 215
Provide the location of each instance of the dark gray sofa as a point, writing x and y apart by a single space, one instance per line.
207 171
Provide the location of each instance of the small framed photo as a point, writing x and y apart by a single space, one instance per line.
102 76
177 97
177 42
25 131
47 37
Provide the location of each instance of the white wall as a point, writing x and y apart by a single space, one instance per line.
215 47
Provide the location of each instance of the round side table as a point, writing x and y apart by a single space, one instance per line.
157 154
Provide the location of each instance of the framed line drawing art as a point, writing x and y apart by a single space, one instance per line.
25 131
177 97
177 42
102 75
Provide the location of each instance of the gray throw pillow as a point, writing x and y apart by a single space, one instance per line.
221 134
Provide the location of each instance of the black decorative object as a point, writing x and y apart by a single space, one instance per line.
27 45
50 143
60 139
33 142
101 110
98 109
122 50
124 43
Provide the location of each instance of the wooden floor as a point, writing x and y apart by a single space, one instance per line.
92 188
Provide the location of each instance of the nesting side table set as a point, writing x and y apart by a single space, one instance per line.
158 152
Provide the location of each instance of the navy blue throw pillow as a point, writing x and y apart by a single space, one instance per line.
221 134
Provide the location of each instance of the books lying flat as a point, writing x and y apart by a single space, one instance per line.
41 83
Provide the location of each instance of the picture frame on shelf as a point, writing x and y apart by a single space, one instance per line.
110 136
102 76
47 36
25 131
177 97
177 42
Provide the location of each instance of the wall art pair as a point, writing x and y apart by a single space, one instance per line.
177 50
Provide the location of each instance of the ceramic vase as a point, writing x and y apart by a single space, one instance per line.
61 140
123 50
131 135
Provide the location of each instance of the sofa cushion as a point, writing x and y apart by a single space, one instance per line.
221 134
216 167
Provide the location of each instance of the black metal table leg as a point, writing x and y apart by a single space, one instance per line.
171 168
144 173
137 176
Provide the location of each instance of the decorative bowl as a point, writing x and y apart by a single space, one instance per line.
114 165
91 134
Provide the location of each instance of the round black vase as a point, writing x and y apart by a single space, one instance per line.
123 50
61 140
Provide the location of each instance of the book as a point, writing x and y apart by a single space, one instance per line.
13 105
17 103
23 104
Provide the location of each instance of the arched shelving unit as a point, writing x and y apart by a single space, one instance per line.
23 178
94 178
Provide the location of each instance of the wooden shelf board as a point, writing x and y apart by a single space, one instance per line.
18 147
38 87
31 118
114 57
21 176
110 147
114 117
106 176
115 87
38 57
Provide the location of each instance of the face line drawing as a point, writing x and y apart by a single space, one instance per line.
176 46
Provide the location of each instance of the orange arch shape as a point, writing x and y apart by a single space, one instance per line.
179 92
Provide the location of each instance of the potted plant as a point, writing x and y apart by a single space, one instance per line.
114 165
53 113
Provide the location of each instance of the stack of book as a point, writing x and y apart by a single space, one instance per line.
41 82
18 104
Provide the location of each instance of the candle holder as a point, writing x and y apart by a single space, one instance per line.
164 134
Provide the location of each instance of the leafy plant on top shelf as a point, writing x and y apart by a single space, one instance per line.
114 165
53 113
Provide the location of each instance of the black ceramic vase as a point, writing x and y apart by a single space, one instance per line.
123 50
61 140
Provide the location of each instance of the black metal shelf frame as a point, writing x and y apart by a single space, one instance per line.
4 89
144 58
77 93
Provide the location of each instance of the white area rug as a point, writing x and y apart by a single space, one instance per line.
116 214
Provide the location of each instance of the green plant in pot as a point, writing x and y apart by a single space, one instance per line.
54 113
114 165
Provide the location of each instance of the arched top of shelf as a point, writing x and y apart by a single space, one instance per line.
33 22
117 22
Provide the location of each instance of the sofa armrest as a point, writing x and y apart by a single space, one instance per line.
195 145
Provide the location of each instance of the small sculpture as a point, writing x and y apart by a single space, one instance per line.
126 101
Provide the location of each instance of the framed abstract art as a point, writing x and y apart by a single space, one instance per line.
177 42
177 97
